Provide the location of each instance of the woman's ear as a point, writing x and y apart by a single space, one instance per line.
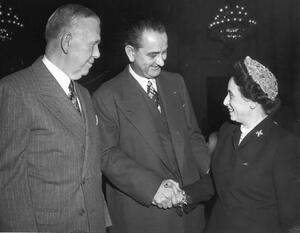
252 105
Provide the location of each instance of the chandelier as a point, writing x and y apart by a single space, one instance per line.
231 24
10 23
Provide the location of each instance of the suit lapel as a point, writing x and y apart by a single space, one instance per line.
236 137
87 121
137 112
51 95
168 93
257 138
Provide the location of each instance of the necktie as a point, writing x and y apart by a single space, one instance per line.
73 96
152 93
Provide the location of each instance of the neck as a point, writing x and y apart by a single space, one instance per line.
59 62
254 119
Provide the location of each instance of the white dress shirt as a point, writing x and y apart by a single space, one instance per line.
142 80
62 79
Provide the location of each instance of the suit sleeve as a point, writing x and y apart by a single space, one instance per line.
15 202
199 191
286 173
127 175
197 141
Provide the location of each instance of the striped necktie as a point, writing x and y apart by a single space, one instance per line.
152 93
73 96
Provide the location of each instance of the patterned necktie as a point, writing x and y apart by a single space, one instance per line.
73 96
152 93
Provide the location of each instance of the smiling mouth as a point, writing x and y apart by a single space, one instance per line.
156 67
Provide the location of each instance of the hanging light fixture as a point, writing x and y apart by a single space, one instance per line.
10 23
231 24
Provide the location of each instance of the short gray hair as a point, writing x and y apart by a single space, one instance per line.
63 17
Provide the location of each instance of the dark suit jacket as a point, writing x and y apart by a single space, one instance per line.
133 158
49 157
257 182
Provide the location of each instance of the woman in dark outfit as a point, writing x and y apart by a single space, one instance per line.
255 165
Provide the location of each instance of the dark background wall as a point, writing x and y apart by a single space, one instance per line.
204 63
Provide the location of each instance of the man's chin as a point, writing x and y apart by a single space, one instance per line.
80 75
155 74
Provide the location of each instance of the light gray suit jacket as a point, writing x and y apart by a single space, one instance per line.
50 177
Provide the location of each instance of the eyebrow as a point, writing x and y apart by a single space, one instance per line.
153 53
157 52
95 42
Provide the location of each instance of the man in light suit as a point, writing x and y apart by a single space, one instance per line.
50 177
151 140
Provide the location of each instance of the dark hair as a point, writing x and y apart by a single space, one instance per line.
63 17
251 90
134 33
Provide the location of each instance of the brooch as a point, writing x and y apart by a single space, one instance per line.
259 133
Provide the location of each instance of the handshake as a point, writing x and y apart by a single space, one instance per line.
169 195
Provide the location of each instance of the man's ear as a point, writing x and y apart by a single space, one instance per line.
65 42
130 52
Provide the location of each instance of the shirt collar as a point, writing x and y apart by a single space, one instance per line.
245 131
62 79
142 80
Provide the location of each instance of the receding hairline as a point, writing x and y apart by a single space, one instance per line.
136 30
143 35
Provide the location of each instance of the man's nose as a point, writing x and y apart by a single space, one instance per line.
96 52
160 60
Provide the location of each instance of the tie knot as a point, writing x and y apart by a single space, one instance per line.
149 87
71 87
73 96
152 93
72 92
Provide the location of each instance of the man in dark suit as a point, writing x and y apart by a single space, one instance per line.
151 140
50 178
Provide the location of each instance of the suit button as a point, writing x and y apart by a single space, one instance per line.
81 212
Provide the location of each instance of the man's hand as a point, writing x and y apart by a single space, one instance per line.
168 194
